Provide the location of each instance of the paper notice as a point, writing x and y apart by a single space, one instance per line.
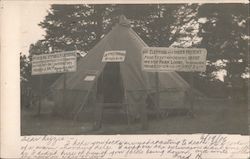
160 59
54 63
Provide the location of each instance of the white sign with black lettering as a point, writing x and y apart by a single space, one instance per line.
54 63
114 56
160 59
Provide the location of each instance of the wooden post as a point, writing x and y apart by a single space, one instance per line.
157 95
144 118
191 94
99 107
127 106
98 115
40 95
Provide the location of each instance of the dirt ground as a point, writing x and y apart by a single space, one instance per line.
215 116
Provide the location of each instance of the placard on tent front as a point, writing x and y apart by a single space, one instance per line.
160 59
114 56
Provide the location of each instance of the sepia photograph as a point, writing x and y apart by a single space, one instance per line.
107 69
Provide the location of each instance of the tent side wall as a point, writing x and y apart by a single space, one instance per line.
139 84
72 102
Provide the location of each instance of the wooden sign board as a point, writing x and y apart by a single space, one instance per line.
160 59
54 63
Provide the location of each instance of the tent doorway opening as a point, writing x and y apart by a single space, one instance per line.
110 86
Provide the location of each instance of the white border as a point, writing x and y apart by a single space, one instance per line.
10 75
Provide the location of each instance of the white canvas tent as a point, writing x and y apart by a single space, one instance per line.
134 84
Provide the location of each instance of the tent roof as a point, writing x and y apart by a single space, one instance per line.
121 37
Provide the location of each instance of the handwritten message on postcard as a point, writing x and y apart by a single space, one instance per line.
198 146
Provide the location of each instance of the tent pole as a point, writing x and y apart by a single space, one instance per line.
83 104
64 83
64 88
191 79
125 99
99 108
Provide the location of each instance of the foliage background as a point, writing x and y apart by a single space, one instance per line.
223 29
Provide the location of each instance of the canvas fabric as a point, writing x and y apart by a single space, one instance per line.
137 83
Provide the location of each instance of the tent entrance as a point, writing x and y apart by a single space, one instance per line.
110 86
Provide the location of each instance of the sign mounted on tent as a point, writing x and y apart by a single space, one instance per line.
114 56
54 63
160 59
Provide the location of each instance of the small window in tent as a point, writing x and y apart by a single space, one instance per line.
89 78
91 75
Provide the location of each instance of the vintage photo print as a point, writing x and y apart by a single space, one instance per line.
165 80
136 69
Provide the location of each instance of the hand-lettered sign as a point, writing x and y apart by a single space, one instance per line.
160 59
54 63
114 56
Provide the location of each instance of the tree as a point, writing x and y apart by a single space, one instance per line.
71 27
40 47
159 24
25 68
25 76
224 32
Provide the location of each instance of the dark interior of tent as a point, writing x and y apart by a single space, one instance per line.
110 86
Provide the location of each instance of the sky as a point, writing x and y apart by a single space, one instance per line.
31 15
